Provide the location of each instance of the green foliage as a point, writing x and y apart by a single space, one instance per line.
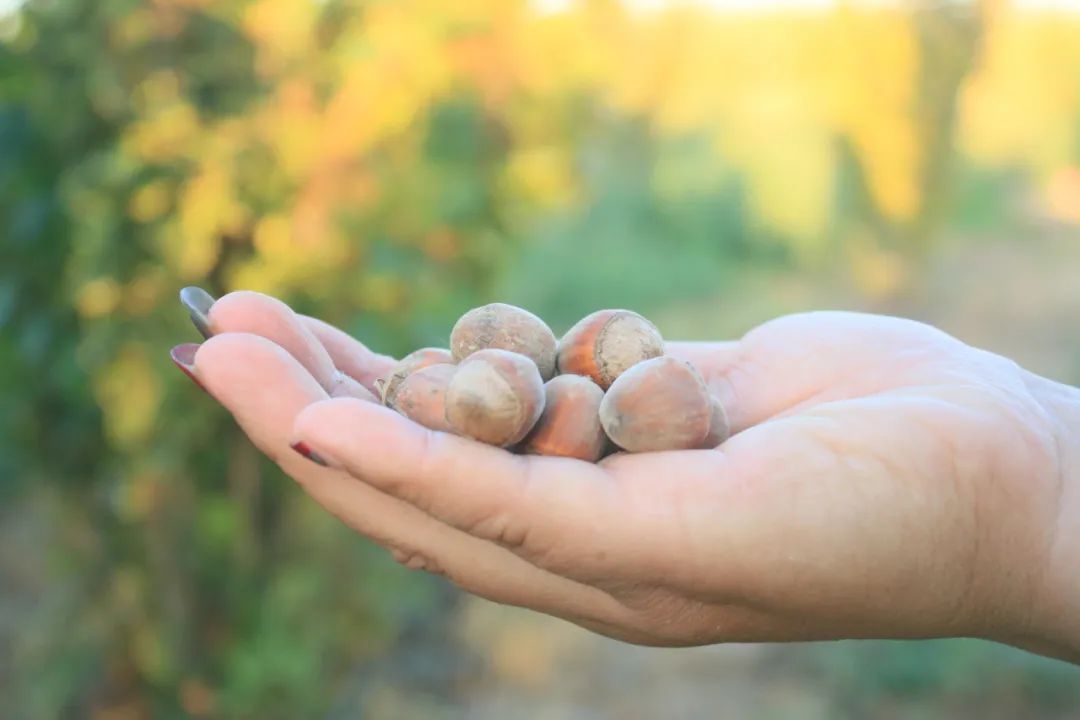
178 560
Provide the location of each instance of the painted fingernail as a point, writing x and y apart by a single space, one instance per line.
303 449
184 357
198 303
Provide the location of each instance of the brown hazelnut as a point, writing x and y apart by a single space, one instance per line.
505 327
570 423
607 343
659 404
388 385
421 396
495 396
719 426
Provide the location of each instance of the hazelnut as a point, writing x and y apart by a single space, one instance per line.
505 327
421 396
659 404
422 358
719 426
607 343
495 396
570 423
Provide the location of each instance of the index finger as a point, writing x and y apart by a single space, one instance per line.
545 509
350 356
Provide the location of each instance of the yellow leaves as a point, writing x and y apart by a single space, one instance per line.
1061 195
208 209
569 51
292 127
163 136
150 202
1022 103
775 90
132 29
291 253
129 394
105 296
387 88
790 179
282 29
98 298
775 94
273 237
871 74
749 83
541 175
256 274
890 156
655 66
486 59
169 125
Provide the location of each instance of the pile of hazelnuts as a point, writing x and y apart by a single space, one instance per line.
605 386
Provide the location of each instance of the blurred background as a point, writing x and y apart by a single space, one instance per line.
387 165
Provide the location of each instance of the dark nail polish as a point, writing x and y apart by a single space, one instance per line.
303 449
198 303
184 358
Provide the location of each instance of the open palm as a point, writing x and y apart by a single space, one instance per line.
884 480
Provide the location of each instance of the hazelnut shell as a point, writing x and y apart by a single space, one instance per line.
659 404
505 327
606 344
495 396
388 385
421 396
570 424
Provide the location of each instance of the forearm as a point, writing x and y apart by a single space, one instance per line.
1058 603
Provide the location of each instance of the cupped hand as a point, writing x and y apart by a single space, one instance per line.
884 480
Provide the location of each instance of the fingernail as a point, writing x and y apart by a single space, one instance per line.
303 449
198 303
184 358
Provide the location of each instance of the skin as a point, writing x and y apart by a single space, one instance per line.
884 480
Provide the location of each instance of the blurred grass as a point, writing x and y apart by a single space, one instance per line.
387 165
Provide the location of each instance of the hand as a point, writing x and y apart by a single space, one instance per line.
885 480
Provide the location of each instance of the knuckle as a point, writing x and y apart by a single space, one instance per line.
416 560
500 528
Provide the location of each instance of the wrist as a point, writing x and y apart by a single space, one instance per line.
1056 611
